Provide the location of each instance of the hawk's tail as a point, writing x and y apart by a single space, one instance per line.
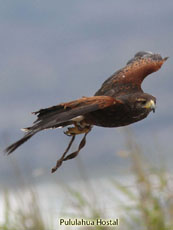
44 116
15 145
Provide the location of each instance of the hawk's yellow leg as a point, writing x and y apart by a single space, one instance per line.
77 130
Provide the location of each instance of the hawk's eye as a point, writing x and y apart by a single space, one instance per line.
141 100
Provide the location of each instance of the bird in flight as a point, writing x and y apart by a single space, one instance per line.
119 102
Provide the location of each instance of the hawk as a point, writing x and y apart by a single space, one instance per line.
119 102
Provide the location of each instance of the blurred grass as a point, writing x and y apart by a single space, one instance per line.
150 205
153 198
27 215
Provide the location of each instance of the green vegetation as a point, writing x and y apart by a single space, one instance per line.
150 205
27 215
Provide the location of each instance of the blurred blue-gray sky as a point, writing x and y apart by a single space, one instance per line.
55 51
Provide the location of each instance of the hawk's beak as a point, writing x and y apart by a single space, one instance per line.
150 105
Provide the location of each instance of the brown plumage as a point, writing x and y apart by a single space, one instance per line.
120 101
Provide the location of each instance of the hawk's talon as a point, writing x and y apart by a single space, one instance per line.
68 134
71 131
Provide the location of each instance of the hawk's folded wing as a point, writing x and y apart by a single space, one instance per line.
62 115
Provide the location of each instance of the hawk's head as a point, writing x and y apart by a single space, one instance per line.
140 102
145 102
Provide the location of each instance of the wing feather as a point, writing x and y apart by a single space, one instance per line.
62 115
54 116
129 79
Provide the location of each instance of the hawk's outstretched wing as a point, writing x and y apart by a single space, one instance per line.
128 79
62 115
